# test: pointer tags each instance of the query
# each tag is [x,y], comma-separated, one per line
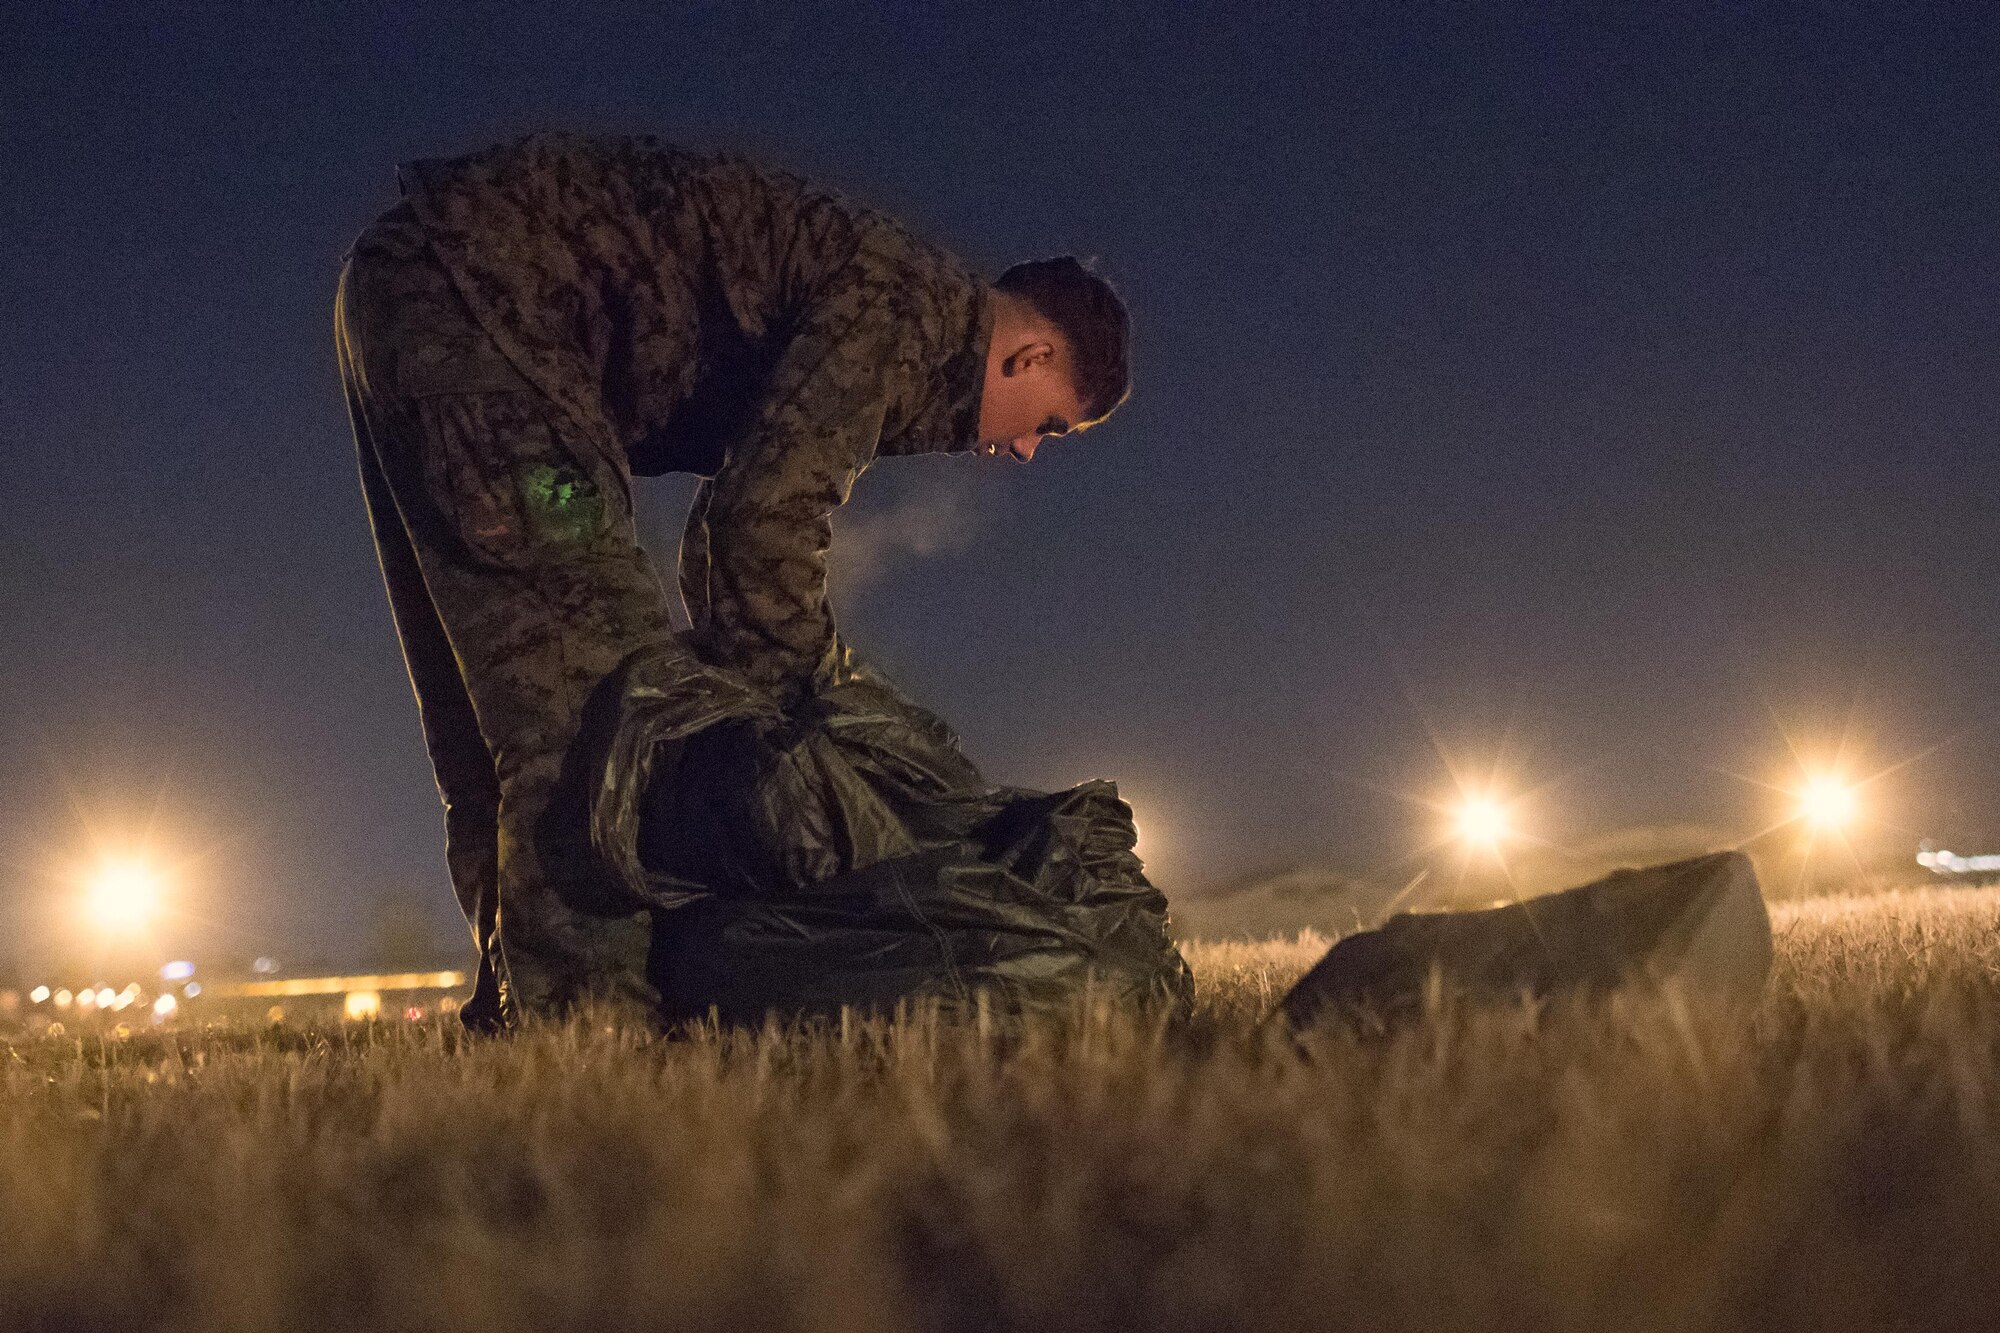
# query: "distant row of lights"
[1951,863]
[356,1005]
[103,997]
[361,996]
[117,1001]
[113,1001]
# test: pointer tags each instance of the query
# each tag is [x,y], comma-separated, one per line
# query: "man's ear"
[1028,355]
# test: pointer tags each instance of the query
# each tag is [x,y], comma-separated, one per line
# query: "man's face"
[1027,397]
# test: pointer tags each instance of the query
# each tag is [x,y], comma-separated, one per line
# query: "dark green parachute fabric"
[1698,924]
[845,852]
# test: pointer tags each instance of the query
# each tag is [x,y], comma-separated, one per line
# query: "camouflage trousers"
[517,584]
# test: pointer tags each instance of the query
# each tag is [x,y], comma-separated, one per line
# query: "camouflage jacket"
[703,314]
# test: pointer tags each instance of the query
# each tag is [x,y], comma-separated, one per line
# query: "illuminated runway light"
[192,989]
[39,994]
[1827,803]
[177,971]
[1482,821]
[62,999]
[123,896]
[105,997]
[361,1005]
[86,998]
[164,1008]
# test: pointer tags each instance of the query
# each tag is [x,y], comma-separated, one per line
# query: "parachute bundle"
[1698,924]
[846,853]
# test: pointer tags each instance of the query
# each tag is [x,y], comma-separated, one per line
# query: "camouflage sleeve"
[761,605]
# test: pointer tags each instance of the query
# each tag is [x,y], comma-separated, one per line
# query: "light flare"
[1828,804]
[123,896]
[1482,822]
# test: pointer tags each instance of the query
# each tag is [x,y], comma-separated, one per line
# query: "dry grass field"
[1830,1162]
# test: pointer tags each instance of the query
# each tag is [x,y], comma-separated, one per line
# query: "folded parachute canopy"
[846,853]
[1700,924]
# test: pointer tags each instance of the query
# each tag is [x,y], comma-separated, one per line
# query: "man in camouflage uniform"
[533,325]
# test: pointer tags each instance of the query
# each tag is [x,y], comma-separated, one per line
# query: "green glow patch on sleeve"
[562,504]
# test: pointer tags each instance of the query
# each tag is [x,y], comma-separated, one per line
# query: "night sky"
[1611,401]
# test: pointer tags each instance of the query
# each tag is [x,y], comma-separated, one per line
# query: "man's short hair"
[1092,320]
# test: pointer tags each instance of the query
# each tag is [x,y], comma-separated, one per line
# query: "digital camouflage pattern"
[531,326]
[703,314]
[517,584]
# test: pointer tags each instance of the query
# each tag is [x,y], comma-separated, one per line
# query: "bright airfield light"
[1481,821]
[1827,803]
[123,896]
[39,994]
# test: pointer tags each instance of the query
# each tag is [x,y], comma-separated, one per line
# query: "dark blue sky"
[1614,396]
